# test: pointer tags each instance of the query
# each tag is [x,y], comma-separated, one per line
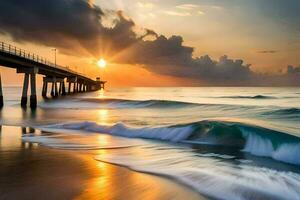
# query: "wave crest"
[250,97]
[287,112]
[93,103]
[252,139]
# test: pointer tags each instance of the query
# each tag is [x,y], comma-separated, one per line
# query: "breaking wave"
[252,139]
[250,97]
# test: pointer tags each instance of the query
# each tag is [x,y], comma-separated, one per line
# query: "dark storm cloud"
[169,56]
[55,23]
[70,24]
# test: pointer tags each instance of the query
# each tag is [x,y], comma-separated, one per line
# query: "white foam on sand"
[216,179]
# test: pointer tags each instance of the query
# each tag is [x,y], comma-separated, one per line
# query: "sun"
[101,63]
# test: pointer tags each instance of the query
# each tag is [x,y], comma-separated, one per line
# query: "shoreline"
[29,171]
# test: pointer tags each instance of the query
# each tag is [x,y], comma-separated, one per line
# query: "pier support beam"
[63,89]
[77,87]
[25,90]
[80,87]
[45,89]
[33,99]
[69,88]
[52,89]
[71,80]
[1,94]
[32,72]
[60,88]
[55,89]
[74,87]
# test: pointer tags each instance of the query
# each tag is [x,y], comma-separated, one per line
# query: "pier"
[58,77]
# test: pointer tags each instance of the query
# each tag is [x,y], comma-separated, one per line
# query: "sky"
[162,43]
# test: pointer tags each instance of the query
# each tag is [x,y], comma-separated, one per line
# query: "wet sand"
[29,171]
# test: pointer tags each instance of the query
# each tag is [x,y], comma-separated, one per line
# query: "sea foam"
[254,140]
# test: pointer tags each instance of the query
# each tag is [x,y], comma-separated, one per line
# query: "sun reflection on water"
[103,116]
[101,94]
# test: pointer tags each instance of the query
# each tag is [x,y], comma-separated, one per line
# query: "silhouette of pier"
[57,76]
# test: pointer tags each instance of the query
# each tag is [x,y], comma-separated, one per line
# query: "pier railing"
[13,50]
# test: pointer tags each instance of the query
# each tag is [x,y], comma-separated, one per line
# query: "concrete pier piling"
[72,80]
[45,89]
[32,73]
[1,94]
[33,99]
[69,88]
[55,89]
[74,88]
[25,90]
[60,88]
[77,88]
[63,89]
[52,89]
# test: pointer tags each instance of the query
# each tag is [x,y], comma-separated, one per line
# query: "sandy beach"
[29,171]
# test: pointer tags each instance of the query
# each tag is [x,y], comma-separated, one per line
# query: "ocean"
[222,142]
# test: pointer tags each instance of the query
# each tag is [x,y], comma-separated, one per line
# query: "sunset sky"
[161,43]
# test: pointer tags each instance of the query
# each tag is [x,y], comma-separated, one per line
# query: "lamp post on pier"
[55,50]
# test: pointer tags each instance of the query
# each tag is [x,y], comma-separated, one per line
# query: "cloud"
[187,6]
[200,12]
[217,7]
[192,8]
[175,13]
[291,70]
[147,5]
[267,51]
[61,23]
[77,27]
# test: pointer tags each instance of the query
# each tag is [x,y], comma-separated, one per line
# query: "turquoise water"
[226,143]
